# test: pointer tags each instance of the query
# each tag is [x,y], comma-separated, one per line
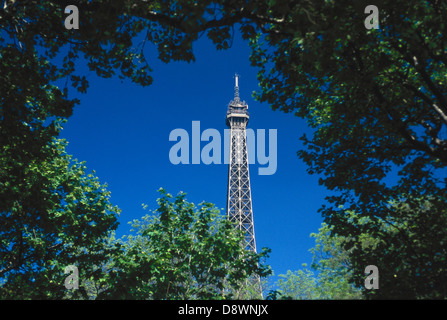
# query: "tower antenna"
[236,86]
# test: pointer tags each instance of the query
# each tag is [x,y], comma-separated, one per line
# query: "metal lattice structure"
[239,203]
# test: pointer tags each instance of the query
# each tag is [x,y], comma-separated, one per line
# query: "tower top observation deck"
[237,108]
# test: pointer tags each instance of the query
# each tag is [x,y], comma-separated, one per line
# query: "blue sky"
[122,132]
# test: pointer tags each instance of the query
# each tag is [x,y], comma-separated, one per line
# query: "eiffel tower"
[239,203]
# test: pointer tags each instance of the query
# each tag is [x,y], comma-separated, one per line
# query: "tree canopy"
[377,101]
[375,98]
[183,251]
[53,214]
[329,276]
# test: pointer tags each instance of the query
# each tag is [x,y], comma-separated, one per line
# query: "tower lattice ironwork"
[239,203]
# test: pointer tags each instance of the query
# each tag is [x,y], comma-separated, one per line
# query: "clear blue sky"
[122,131]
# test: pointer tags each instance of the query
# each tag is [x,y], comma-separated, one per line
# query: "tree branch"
[228,20]
[431,85]
[428,100]
[400,126]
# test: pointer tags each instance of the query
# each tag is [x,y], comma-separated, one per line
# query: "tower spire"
[236,87]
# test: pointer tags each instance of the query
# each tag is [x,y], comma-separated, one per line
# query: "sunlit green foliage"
[53,214]
[329,275]
[183,251]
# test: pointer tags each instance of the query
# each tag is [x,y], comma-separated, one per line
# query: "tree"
[377,102]
[52,215]
[332,264]
[408,248]
[330,273]
[183,251]
[297,285]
